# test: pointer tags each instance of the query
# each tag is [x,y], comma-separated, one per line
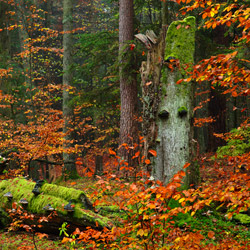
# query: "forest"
[125,124]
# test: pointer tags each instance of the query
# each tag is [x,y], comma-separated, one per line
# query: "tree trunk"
[68,156]
[150,84]
[176,105]
[128,83]
[167,106]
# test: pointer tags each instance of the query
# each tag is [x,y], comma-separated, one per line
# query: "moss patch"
[180,40]
[242,218]
[238,143]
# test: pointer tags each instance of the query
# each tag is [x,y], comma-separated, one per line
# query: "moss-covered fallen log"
[83,214]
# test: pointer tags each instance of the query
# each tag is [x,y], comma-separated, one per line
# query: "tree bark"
[150,84]
[128,82]
[68,155]
[168,107]
[175,112]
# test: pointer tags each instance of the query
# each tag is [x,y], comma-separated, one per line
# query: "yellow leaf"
[177,239]
[140,232]
[212,12]
[181,200]
[192,214]
[158,196]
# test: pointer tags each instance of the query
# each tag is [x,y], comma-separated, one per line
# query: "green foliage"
[97,53]
[238,143]
[181,219]
[209,220]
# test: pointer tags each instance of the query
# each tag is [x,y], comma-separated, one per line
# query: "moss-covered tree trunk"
[57,196]
[175,110]
[167,106]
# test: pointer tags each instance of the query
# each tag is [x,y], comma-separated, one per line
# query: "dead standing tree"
[167,106]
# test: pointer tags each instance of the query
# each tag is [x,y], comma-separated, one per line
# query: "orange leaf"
[73,183]
[42,235]
[210,235]
[111,152]
[186,165]
[152,152]
[179,81]
[182,173]
[151,206]
[65,239]
[234,94]
[137,153]
[147,161]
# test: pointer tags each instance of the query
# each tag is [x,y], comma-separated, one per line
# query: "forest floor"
[23,240]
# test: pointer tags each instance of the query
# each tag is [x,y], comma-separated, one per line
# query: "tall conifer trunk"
[128,83]
[68,156]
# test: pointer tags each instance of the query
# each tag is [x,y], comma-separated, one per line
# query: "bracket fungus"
[69,207]
[9,196]
[48,208]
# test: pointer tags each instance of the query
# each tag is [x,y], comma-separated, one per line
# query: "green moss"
[181,219]
[180,40]
[182,108]
[238,143]
[242,218]
[57,196]
[63,192]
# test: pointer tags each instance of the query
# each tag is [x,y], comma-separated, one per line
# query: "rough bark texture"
[128,83]
[176,102]
[150,84]
[70,167]
[58,197]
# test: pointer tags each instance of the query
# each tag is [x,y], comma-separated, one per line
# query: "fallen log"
[68,204]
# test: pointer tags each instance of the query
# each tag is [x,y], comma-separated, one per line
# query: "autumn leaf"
[42,235]
[178,26]
[111,152]
[152,152]
[66,239]
[186,165]
[210,235]
[140,232]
